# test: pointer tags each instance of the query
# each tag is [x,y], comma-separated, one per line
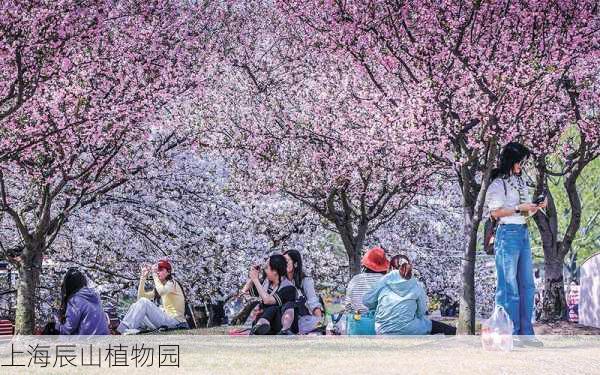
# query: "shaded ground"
[558,328]
[564,328]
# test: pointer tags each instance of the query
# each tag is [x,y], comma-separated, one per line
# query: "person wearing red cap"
[400,303]
[374,265]
[145,314]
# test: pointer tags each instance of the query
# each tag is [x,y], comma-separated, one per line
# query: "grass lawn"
[214,354]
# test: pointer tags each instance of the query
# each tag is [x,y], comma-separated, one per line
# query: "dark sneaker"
[260,329]
[532,342]
[286,332]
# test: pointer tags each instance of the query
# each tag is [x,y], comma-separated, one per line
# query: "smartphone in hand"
[539,199]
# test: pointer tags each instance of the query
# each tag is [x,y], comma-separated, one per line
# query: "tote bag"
[360,323]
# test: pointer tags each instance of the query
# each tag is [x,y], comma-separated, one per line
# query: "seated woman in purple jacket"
[81,311]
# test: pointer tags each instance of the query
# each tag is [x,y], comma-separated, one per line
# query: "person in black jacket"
[274,292]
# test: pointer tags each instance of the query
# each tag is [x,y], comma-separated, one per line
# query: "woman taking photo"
[509,202]
[145,313]
[274,292]
[81,310]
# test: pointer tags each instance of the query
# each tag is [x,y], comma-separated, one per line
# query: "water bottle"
[330,329]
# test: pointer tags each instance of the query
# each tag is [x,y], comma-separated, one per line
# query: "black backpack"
[489,230]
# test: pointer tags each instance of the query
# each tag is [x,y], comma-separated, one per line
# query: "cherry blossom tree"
[83,85]
[293,119]
[477,75]
[181,208]
[579,146]
[431,240]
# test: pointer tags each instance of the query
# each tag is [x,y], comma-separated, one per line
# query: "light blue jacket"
[399,305]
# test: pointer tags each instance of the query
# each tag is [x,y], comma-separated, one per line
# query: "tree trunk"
[466,321]
[353,245]
[553,297]
[554,301]
[473,195]
[354,256]
[29,275]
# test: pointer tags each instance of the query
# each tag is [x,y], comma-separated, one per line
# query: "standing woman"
[307,301]
[508,201]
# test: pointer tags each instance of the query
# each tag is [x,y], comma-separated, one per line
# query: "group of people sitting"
[387,293]
[287,296]
[288,301]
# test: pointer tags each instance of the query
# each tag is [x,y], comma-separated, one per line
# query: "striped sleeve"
[362,285]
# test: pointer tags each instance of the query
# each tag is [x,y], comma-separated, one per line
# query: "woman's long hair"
[73,281]
[169,277]
[403,265]
[511,154]
[299,274]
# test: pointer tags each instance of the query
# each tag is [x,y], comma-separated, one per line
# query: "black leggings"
[273,315]
[439,327]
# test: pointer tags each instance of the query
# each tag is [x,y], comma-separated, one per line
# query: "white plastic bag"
[496,332]
[337,324]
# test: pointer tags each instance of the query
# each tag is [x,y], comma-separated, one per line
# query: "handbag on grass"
[360,323]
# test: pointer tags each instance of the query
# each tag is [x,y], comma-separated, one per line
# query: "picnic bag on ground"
[358,323]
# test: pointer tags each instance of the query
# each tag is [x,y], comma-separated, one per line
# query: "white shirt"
[496,198]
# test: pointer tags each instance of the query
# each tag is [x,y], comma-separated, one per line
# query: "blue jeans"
[515,288]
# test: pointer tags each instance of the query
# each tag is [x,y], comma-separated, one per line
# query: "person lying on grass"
[274,292]
[146,314]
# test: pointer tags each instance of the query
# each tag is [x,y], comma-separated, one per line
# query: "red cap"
[375,260]
[164,264]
